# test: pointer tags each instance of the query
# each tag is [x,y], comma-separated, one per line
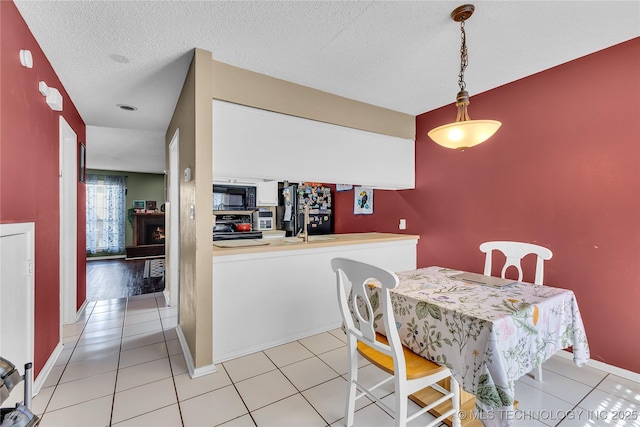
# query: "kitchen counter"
[268,295]
[315,242]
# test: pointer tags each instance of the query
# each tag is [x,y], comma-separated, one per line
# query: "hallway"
[118,278]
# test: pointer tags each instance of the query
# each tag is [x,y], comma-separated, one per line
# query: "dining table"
[487,336]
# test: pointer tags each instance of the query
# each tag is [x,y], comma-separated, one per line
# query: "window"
[105,214]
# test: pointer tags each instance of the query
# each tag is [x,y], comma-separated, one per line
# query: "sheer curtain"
[105,214]
[92,214]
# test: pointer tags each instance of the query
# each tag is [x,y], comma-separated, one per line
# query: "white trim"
[624,373]
[166,295]
[17,228]
[172,280]
[99,258]
[68,241]
[193,371]
[47,368]
[143,257]
[80,311]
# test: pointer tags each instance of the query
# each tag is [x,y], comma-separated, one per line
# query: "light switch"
[403,224]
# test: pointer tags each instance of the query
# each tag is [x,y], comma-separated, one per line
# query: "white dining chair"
[514,252]
[409,371]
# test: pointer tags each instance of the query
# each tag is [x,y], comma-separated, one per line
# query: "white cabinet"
[252,143]
[223,180]
[267,193]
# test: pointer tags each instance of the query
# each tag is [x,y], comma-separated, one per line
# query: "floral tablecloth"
[488,337]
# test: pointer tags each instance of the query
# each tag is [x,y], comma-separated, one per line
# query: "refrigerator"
[292,200]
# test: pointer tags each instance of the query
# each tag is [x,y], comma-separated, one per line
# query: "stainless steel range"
[229,226]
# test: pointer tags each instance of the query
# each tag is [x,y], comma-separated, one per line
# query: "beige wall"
[204,174]
[193,117]
[246,87]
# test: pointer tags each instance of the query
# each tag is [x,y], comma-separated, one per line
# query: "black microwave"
[234,197]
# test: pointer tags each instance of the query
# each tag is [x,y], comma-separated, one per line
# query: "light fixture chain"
[464,58]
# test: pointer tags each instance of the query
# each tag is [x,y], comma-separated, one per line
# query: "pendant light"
[464,132]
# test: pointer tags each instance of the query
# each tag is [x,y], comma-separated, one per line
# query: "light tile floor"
[123,366]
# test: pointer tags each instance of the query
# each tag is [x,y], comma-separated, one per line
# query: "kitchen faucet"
[304,232]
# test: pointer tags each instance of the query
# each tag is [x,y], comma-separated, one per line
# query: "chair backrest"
[353,279]
[515,251]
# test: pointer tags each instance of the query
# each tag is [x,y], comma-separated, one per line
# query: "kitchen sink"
[311,239]
[292,239]
[320,238]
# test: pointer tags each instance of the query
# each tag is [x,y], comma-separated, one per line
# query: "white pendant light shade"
[466,134]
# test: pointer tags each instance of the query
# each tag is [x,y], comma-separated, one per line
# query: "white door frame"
[68,224]
[172,286]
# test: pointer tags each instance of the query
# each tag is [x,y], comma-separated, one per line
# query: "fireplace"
[148,235]
[153,233]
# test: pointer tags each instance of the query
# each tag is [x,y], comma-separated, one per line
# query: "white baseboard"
[81,312]
[193,371]
[165,293]
[144,257]
[100,258]
[46,369]
[624,373]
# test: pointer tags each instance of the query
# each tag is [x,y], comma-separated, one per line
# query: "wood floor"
[117,278]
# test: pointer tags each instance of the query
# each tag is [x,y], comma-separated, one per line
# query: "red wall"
[29,162]
[563,171]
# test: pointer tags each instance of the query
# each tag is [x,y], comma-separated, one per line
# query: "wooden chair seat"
[417,366]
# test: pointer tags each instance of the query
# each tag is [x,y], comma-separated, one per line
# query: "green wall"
[140,186]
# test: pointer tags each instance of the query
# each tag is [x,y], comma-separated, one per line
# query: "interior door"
[16,298]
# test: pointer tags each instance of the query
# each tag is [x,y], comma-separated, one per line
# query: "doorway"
[68,223]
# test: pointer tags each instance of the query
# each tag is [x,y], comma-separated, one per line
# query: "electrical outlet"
[403,224]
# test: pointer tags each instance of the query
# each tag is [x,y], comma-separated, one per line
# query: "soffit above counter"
[244,87]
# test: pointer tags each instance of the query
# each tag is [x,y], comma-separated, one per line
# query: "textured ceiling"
[401,55]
